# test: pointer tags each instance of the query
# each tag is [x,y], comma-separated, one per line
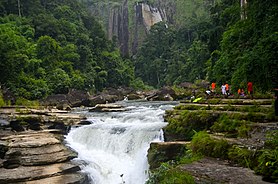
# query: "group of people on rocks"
[240,91]
[225,90]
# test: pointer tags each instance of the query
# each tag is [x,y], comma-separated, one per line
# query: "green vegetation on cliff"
[49,47]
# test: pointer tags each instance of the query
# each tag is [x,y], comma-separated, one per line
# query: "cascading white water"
[115,146]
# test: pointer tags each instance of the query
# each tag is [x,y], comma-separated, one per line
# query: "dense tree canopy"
[221,47]
[51,46]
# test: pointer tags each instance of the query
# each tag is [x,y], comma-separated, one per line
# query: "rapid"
[113,149]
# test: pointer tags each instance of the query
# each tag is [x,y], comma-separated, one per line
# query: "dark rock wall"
[124,21]
[128,21]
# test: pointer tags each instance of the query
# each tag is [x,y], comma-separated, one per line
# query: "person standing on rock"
[227,89]
[213,85]
[223,89]
[250,89]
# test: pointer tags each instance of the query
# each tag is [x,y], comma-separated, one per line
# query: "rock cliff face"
[128,21]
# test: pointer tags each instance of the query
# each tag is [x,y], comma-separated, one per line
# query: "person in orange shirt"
[239,92]
[250,89]
[227,88]
[213,85]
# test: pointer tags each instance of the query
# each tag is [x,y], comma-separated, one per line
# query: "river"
[114,147]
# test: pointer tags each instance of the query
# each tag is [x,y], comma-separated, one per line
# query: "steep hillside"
[128,21]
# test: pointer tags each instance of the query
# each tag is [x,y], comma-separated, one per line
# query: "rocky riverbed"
[32,148]
[241,125]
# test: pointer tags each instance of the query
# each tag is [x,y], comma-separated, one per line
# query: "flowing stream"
[114,147]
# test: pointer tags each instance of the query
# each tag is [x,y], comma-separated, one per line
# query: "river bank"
[32,147]
[224,139]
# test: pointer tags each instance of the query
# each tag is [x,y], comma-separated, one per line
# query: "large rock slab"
[21,174]
[210,170]
[35,148]
[41,156]
[33,139]
[107,108]
[76,178]
[160,152]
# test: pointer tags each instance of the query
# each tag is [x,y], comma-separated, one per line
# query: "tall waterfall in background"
[115,146]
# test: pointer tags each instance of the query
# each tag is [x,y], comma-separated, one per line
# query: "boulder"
[135,96]
[85,122]
[54,100]
[164,94]
[160,152]
[107,108]
[102,99]
[77,98]
[63,106]
[59,125]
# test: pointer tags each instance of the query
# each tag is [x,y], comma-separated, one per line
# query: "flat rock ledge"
[38,157]
[209,170]
[108,108]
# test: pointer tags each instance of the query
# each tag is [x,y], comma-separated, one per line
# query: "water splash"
[115,147]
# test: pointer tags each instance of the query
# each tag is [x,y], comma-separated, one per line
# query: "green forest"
[221,47]
[50,46]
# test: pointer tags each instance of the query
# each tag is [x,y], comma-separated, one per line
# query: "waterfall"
[114,148]
[243,5]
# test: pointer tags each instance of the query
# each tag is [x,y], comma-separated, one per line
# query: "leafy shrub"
[231,127]
[169,174]
[268,160]
[25,102]
[189,157]
[203,143]
[183,127]
[2,102]
[242,156]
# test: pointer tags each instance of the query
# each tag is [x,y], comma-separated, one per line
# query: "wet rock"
[85,122]
[107,108]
